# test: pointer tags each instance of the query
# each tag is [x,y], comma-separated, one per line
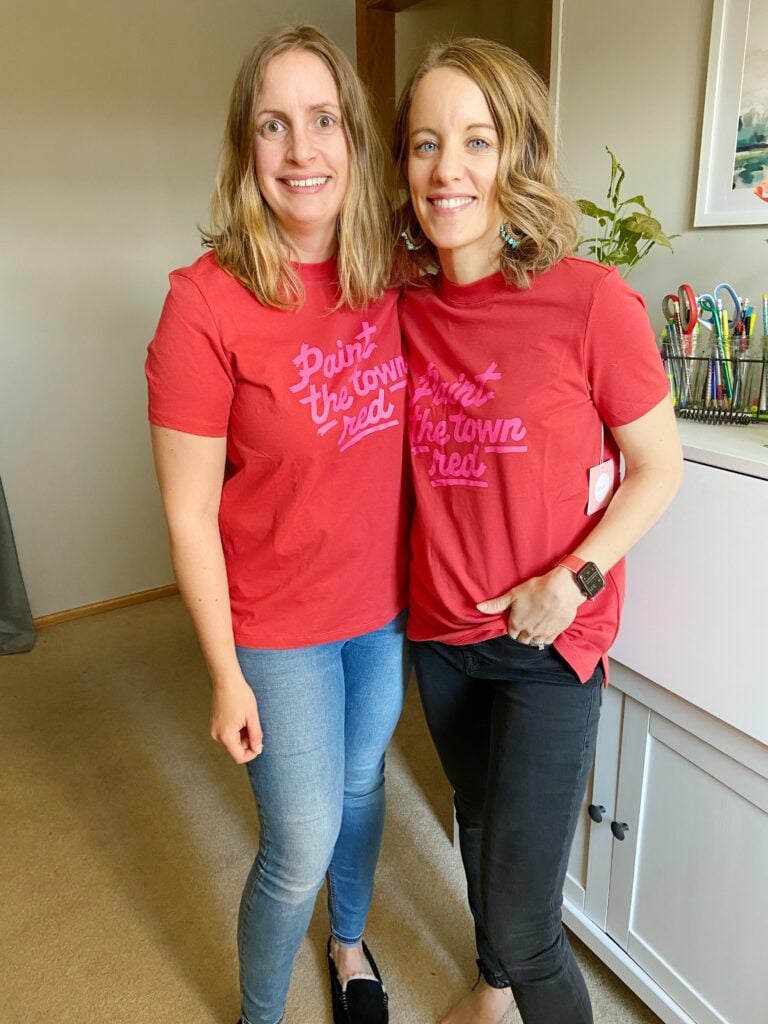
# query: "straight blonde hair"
[244,232]
[543,220]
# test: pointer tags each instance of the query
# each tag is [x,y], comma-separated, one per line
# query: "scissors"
[681,309]
[713,303]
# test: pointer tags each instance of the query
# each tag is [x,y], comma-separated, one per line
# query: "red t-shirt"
[312,403]
[509,387]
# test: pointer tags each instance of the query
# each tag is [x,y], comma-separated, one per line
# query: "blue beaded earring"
[507,238]
[409,242]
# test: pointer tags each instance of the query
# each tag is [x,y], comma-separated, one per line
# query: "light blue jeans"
[328,713]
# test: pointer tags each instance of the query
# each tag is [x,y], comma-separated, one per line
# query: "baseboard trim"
[105,606]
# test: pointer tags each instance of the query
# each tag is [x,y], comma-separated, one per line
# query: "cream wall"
[634,79]
[112,115]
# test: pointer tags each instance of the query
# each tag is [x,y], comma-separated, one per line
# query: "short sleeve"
[189,376]
[622,362]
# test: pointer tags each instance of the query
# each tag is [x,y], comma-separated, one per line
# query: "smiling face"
[301,159]
[453,159]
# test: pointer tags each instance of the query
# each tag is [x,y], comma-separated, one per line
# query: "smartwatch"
[588,577]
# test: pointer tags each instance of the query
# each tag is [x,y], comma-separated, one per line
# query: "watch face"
[590,579]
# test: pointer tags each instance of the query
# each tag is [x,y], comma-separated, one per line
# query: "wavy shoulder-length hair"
[244,232]
[543,220]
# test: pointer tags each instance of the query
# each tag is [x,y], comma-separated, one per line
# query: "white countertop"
[739,449]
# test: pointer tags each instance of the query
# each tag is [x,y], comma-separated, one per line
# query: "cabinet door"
[586,883]
[576,876]
[689,884]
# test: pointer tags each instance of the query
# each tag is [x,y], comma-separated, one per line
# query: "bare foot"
[483,1005]
[350,961]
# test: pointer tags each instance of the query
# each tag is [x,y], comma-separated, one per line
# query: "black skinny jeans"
[515,731]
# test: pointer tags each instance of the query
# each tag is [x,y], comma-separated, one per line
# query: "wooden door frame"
[375,24]
[375,21]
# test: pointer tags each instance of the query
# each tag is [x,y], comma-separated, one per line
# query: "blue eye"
[429,146]
[477,144]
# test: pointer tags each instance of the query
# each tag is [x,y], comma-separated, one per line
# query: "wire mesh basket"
[715,388]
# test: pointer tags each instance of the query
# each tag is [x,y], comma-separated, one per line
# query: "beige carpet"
[126,835]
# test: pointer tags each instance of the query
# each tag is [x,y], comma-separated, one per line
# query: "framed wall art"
[734,143]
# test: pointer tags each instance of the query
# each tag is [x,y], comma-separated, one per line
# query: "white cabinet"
[679,906]
[696,613]
[589,867]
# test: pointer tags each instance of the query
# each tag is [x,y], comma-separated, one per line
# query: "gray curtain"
[17,631]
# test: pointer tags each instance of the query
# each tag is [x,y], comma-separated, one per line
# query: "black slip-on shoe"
[241,1021]
[359,1000]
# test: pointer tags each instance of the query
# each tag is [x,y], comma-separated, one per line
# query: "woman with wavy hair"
[276,397]
[531,371]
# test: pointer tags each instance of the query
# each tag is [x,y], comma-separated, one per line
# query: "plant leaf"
[590,209]
[639,200]
[619,259]
[627,228]
[649,228]
[614,171]
[617,177]
[644,225]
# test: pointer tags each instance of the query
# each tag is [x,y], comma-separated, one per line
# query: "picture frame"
[718,202]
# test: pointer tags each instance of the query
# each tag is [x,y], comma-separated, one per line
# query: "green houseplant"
[625,231]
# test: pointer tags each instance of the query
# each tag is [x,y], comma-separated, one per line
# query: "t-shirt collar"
[470,294]
[325,271]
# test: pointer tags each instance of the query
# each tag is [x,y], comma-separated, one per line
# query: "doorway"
[392,35]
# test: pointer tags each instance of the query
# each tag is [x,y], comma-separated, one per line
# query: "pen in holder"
[716,379]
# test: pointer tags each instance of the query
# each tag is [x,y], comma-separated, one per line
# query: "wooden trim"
[548,21]
[376,63]
[555,66]
[105,606]
[391,5]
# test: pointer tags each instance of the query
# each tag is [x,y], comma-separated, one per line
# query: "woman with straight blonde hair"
[276,397]
[531,372]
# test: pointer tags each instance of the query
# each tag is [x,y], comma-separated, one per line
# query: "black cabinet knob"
[596,812]
[619,829]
